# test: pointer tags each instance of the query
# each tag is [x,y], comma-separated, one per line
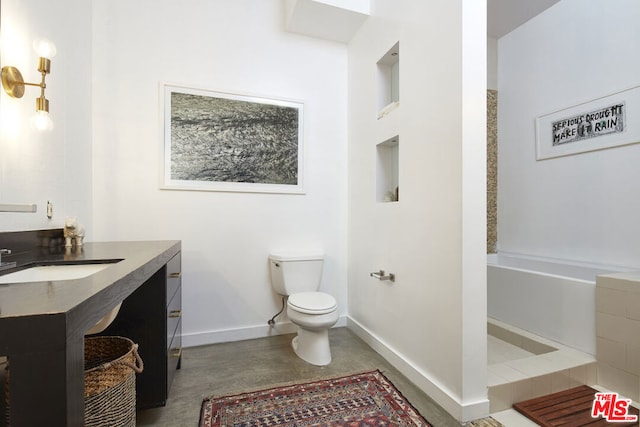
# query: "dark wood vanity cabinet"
[156,328]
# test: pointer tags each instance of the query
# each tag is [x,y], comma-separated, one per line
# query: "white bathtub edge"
[492,259]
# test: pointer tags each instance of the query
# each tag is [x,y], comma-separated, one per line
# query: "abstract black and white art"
[217,141]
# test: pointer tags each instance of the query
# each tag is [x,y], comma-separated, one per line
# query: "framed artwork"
[218,141]
[605,122]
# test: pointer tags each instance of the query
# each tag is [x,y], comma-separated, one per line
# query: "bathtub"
[550,298]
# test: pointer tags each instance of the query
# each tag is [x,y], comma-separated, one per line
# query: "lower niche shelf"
[387,174]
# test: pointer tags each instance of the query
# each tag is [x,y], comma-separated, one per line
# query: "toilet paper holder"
[380,275]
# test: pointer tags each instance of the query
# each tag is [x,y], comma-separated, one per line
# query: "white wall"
[431,322]
[583,207]
[231,45]
[36,167]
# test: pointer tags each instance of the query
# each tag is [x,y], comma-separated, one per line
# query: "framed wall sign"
[218,141]
[605,122]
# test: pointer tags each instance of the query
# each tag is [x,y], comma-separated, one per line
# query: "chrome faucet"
[4,265]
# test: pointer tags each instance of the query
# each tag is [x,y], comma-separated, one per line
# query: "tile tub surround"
[618,333]
[542,368]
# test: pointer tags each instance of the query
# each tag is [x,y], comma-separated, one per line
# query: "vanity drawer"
[174,273]
[174,354]
[174,315]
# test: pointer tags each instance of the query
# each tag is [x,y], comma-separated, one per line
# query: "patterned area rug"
[366,399]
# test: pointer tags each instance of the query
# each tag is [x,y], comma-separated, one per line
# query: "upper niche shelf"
[389,81]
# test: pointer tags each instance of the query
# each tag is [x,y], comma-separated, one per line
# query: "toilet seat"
[312,302]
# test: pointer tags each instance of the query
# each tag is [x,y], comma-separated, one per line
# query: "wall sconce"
[14,84]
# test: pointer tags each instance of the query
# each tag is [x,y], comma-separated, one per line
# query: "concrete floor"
[226,368]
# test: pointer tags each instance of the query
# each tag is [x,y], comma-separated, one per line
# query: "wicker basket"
[110,364]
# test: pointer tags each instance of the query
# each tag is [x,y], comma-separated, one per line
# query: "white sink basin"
[46,273]
[102,324]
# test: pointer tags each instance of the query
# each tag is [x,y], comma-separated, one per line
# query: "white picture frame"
[221,141]
[605,122]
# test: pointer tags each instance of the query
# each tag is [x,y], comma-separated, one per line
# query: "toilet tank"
[293,273]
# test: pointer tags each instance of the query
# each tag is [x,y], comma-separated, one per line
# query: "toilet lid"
[312,302]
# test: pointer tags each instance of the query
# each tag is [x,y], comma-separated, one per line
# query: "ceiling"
[320,18]
[503,16]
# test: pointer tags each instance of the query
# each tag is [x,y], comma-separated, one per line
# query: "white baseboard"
[245,333]
[438,392]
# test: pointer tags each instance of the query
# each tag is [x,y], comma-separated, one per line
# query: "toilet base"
[312,346]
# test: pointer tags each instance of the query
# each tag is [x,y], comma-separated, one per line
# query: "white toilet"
[298,277]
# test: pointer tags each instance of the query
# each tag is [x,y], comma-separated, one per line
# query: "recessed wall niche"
[389,81]
[387,185]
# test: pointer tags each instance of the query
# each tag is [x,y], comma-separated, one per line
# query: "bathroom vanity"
[42,325]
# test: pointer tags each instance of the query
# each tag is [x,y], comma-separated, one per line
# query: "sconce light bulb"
[41,121]
[44,48]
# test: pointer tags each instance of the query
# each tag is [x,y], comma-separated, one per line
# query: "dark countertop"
[96,294]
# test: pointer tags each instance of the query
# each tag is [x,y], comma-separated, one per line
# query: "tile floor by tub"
[498,352]
[515,374]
